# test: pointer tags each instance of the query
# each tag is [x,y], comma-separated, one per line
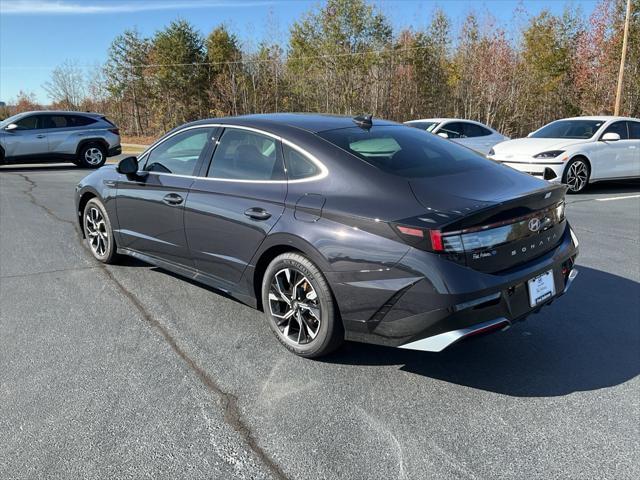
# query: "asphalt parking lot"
[130,372]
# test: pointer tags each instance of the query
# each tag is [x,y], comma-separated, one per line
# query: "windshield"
[569,129]
[406,152]
[428,126]
[10,120]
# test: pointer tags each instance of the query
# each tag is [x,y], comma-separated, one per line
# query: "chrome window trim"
[323,169]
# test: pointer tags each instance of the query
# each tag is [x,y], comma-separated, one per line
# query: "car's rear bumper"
[448,302]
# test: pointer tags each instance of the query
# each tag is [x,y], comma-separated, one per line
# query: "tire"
[91,155]
[576,175]
[322,332]
[98,232]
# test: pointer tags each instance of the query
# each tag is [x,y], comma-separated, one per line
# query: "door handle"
[172,199]
[257,213]
[40,136]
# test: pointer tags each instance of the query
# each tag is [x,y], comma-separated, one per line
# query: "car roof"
[285,122]
[63,112]
[444,119]
[601,118]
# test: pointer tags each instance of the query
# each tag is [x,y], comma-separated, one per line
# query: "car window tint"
[298,165]
[53,121]
[27,123]
[80,121]
[453,130]
[473,130]
[620,128]
[179,154]
[406,152]
[634,130]
[569,129]
[428,126]
[245,155]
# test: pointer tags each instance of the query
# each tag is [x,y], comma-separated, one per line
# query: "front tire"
[576,175]
[92,155]
[300,307]
[98,231]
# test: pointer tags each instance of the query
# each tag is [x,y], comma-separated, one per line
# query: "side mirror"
[11,126]
[443,134]
[128,166]
[610,137]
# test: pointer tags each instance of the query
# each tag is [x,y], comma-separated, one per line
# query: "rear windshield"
[569,129]
[406,152]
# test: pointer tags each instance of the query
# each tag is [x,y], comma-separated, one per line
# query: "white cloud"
[62,7]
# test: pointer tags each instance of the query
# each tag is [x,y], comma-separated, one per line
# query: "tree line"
[344,57]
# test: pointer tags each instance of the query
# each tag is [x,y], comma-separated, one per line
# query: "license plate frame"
[541,288]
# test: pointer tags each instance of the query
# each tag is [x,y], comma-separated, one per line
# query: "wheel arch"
[277,245]
[82,202]
[86,141]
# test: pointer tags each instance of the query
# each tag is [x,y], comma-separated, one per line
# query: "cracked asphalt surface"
[128,371]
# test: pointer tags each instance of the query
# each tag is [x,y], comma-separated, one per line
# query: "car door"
[150,205]
[614,159]
[28,140]
[235,203]
[57,129]
[634,147]
[479,138]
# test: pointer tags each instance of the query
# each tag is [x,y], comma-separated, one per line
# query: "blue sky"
[37,35]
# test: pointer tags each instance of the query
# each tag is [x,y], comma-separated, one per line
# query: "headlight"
[549,154]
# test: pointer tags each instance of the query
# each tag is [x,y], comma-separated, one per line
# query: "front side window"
[453,130]
[246,155]
[406,152]
[618,127]
[569,129]
[179,154]
[298,165]
[27,123]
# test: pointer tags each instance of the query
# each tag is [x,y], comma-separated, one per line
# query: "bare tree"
[67,86]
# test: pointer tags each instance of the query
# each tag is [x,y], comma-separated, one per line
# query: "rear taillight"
[115,131]
[432,240]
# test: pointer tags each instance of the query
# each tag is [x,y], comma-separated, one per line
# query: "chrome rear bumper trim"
[572,276]
[439,342]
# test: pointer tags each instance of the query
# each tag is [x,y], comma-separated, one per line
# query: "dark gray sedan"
[338,228]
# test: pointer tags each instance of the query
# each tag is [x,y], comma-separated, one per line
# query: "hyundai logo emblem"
[534,224]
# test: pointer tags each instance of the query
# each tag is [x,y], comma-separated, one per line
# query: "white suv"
[87,139]
[577,151]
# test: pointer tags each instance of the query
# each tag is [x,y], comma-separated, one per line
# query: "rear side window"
[246,155]
[179,154]
[634,130]
[620,128]
[473,130]
[54,121]
[80,121]
[298,165]
[406,152]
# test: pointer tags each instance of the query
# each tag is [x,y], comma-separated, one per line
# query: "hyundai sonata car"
[577,151]
[474,135]
[338,228]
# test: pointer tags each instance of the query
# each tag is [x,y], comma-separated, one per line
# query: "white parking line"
[617,198]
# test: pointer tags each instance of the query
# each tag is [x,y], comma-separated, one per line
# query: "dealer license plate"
[541,288]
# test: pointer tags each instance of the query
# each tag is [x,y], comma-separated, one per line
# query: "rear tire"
[98,232]
[300,307]
[92,155]
[576,175]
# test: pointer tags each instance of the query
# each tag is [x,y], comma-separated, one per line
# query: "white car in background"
[577,151]
[474,135]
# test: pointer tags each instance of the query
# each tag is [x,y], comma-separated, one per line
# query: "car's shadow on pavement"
[587,340]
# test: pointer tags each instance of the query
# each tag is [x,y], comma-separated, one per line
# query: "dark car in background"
[86,139]
[338,228]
